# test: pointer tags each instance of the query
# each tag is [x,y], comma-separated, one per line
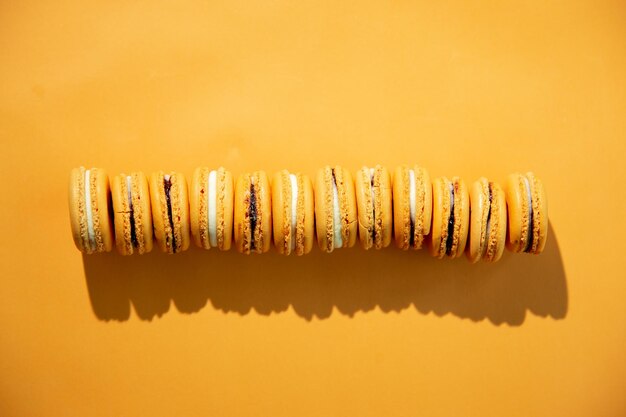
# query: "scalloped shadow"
[348,281]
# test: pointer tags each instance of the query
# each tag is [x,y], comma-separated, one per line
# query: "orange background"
[463,88]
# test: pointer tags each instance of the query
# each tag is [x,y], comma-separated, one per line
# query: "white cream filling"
[294,209]
[338,241]
[529,197]
[211,202]
[90,232]
[412,195]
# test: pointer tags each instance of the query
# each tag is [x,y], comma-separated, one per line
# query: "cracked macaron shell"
[374,213]
[402,206]
[483,245]
[519,213]
[281,213]
[242,228]
[441,215]
[142,214]
[100,197]
[163,232]
[198,209]
[324,208]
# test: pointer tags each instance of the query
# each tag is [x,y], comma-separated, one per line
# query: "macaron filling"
[412,206]
[167,186]
[337,239]
[530,234]
[212,207]
[449,238]
[294,209]
[90,229]
[131,212]
[252,214]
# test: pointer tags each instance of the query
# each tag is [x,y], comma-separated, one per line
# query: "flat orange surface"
[463,88]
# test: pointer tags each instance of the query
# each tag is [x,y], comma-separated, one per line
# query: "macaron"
[170,211]
[450,217]
[335,209]
[528,213]
[487,232]
[89,203]
[374,207]
[293,213]
[132,215]
[211,208]
[412,206]
[253,213]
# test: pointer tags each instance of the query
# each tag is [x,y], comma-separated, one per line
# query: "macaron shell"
[182,199]
[464,216]
[120,208]
[401,207]
[365,205]
[516,212]
[309,214]
[75,195]
[280,204]
[500,236]
[225,202]
[265,199]
[441,209]
[479,207]
[386,207]
[543,210]
[198,209]
[349,228]
[241,208]
[323,211]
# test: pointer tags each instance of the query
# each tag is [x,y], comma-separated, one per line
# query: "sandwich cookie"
[487,232]
[335,209]
[253,213]
[89,202]
[412,206]
[132,214]
[528,213]
[211,208]
[293,213]
[170,211]
[373,200]
[450,217]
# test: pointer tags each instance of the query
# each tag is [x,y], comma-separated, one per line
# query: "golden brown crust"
[300,215]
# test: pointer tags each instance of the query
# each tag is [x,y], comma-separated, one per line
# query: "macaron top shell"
[450,217]
[487,233]
[374,207]
[211,208]
[335,209]
[170,211]
[253,213]
[527,213]
[132,213]
[292,234]
[412,205]
[90,216]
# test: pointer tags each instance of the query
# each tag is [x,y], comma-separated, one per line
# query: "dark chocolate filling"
[450,239]
[252,214]
[167,184]
[373,210]
[531,237]
[133,231]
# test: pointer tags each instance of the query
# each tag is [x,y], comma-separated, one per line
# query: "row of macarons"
[445,215]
